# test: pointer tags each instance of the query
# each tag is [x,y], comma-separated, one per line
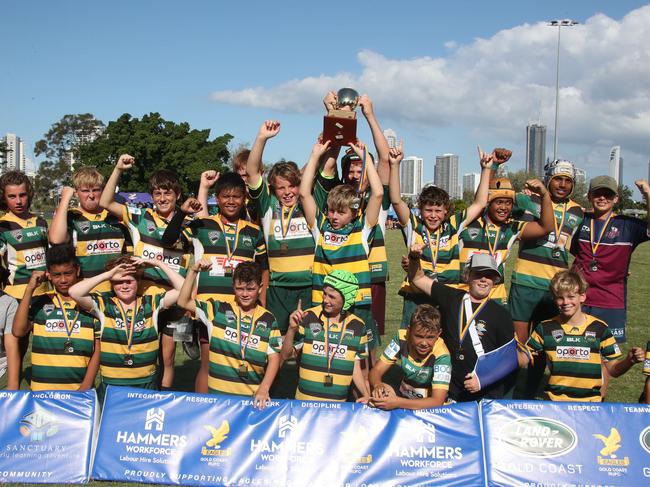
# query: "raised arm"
[208,179]
[22,326]
[295,319]
[381,144]
[269,129]
[58,232]
[185,299]
[80,291]
[376,188]
[416,274]
[644,187]
[107,199]
[395,156]
[546,222]
[616,368]
[307,182]
[481,197]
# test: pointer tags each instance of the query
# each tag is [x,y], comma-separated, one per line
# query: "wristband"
[494,167]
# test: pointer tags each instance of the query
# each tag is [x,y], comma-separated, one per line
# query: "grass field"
[624,389]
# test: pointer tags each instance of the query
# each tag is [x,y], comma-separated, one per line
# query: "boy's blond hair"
[87,177]
[240,159]
[568,282]
[342,198]
[426,317]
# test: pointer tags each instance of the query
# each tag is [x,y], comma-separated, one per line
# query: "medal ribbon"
[462,329]
[594,245]
[327,344]
[558,229]
[243,344]
[285,229]
[131,328]
[68,326]
[492,249]
[434,250]
[230,252]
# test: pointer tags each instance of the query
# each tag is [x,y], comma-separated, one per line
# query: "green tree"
[60,146]
[66,136]
[519,178]
[3,153]
[625,201]
[155,144]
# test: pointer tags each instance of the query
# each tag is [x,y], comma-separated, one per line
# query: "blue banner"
[545,443]
[184,438]
[46,437]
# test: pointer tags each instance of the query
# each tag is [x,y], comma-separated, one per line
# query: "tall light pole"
[559,24]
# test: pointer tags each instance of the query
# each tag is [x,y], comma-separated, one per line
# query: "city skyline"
[535,148]
[446,174]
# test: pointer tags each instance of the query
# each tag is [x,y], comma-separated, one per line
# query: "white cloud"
[499,83]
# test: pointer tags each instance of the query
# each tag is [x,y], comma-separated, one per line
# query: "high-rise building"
[470,182]
[391,137]
[411,175]
[616,164]
[445,175]
[15,155]
[535,148]
[581,176]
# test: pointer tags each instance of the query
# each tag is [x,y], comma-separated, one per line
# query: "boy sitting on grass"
[425,364]
[332,342]
[129,321]
[244,337]
[575,343]
[65,343]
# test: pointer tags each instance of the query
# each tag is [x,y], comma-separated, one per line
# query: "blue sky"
[444,75]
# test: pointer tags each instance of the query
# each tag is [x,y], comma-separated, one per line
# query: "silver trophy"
[340,123]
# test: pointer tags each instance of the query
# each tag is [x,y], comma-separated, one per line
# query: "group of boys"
[293,266]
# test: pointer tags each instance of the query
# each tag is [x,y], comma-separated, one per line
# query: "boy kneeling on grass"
[575,344]
[65,345]
[244,337]
[425,364]
[129,321]
[332,342]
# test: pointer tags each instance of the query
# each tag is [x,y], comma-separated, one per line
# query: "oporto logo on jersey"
[38,425]
[335,239]
[213,446]
[538,437]
[151,439]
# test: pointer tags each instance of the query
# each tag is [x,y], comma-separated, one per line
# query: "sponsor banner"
[46,436]
[544,443]
[190,439]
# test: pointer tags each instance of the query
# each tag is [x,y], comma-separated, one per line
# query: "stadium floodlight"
[559,24]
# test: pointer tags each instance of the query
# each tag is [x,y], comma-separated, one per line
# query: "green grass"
[623,389]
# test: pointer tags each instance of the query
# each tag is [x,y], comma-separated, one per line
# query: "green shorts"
[364,313]
[412,301]
[282,301]
[531,305]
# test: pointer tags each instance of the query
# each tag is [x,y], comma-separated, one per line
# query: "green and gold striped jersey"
[61,346]
[22,246]
[574,355]
[345,248]
[289,243]
[114,340]
[239,346]
[146,229]
[483,236]
[226,245]
[539,260]
[97,238]
[440,246]
[328,353]
[420,376]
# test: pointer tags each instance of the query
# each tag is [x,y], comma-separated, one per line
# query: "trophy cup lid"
[347,97]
